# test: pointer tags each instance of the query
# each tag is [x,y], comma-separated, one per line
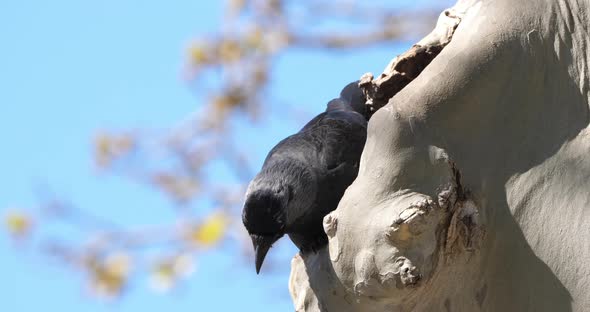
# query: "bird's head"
[265,215]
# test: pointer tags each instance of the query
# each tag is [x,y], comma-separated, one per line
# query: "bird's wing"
[300,146]
[338,140]
[328,140]
[343,135]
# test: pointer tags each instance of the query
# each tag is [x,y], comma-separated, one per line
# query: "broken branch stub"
[407,66]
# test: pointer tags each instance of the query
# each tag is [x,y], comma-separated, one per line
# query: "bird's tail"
[351,99]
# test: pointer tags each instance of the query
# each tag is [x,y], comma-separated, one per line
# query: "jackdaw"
[305,175]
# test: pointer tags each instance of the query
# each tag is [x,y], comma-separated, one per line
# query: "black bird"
[305,175]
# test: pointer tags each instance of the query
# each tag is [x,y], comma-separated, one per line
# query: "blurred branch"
[236,64]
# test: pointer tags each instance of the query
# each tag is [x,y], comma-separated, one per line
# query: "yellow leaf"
[229,51]
[118,264]
[109,147]
[210,231]
[18,224]
[199,55]
[163,276]
[109,276]
[255,38]
[166,273]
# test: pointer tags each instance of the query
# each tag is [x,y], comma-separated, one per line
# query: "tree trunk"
[474,187]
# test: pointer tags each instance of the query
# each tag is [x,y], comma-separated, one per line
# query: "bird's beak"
[261,246]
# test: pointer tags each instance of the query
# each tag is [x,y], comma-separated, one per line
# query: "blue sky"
[69,68]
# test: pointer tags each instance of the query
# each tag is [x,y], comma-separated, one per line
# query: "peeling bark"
[407,66]
[474,187]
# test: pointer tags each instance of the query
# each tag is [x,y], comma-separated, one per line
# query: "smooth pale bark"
[474,187]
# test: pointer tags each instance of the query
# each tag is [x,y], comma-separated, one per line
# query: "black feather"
[305,175]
